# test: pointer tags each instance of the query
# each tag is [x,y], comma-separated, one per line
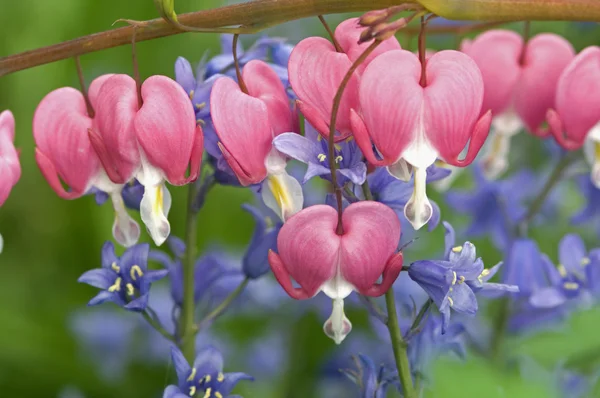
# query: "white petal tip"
[337,327]
[418,210]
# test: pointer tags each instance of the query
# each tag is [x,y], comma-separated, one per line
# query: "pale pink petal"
[60,130]
[348,33]
[165,127]
[263,83]
[284,278]
[10,168]
[95,86]
[391,103]
[453,98]
[308,247]
[578,97]
[546,56]
[242,124]
[497,54]
[371,237]
[316,71]
[115,108]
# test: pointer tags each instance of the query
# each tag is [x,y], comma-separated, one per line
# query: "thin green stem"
[187,326]
[399,346]
[156,325]
[420,316]
[366,190]
[214,314]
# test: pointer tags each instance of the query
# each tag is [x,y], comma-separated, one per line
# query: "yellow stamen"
[191,94]
[450,301]
[597,151]
[321,157]
[207,393]
[158,204]
[585,261]
[571,285]
[461,279]
[192,375]
[220,377]
[338,159]
[279,193]
[218,395]
[115,267]
[130,289]
[192,391]
[457,249]
[337,147]
[349,139]
[453,277]
[136,272]
[562,270]
[200,105]
[116,286]
[200,121]
[484,273]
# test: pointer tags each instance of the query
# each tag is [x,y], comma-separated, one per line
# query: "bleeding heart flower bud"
[520,84]
[318,259]
[61,125]
[170,142]
[10,168]
[418,124]
[246,124]
[576,117]
[316,71]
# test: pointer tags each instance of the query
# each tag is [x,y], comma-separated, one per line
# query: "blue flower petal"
[101,278]
[548,297]
[297,147]
[184,75]
[208,361]
[108,255]
[174,392]
[135,255]
[231,379]
[139,304]
[463,299]
[181,365]
[357,173]
[103,297]
[571,251]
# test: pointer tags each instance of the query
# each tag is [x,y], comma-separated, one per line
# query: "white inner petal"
[507,123]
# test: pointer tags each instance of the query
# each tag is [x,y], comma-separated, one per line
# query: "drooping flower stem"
[334,112]
[236,63]
[88,104]
[187,326]
[225,303]
[156,325]
[337,46]
[399,346]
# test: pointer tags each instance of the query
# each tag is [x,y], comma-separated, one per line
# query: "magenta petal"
[165,127]
[95,86]
[348,33]
[284,278]
[60,130]
[546,56]
[242,124]
[453,98]
[316,71]
[578,97]
[309,248]
[497,54]
[389,276]
[10,168]
[264,84]
[391,103]
[116,107]
[371,237]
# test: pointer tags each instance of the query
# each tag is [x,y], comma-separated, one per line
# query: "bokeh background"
[49,242]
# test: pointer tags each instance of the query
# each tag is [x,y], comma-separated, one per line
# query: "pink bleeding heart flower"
[520,84]
[10,168]
[170,142]
[316,70]
[575,120]
[318,259]
[412,124]
[64,152]
[246,124]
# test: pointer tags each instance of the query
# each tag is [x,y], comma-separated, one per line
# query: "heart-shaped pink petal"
[10,168]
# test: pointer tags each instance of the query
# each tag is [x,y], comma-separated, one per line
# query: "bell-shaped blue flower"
[372,381]
[205,378]
[590,213]
[312,150]
[453,282]
[124,280]
[267,225]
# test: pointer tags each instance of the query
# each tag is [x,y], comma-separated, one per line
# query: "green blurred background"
[49,242]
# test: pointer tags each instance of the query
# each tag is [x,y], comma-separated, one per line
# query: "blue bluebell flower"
[124,280]
[590,213]
[577,275]
[566,383]
[396,193]
[132,195]
[208,269]
[452,283]
[205,378]
[373,381]
[266,228]
[312,150]
[495,206]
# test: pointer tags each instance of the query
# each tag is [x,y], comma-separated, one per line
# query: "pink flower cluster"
[10,168]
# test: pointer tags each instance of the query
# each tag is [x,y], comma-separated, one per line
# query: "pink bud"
[517,80]
[247,123]
[316,71]
[318,259]
[113,136]
[577,103]
[419,124]
[10,169]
